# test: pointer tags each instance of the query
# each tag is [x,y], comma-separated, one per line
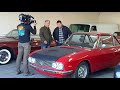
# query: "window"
[106,41]
[116,42]
[82,40]
[14,33]
[75,38]
[93,28]
[79,28]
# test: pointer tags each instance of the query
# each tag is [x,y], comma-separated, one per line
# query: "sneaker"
[28,74]
[18,72]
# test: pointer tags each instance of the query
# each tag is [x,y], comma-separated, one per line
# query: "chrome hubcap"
[3,56]
[82,71]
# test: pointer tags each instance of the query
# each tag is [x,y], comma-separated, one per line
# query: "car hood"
[53,54]
[6,39]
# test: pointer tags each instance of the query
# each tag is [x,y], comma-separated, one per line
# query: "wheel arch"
[87,61]
[83,61]
[10,49]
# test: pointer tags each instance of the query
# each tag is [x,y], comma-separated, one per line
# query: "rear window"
[79,28]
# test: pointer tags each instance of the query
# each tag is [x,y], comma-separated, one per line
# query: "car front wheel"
[82,71]
[5,56]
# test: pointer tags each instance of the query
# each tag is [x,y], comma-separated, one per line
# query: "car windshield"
[14,34]
[81,40]
[79,28]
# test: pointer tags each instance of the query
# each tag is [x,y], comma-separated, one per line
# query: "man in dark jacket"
[45,35]
[61,33]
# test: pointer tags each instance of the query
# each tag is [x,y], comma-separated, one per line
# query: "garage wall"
[9,20]
[110,17]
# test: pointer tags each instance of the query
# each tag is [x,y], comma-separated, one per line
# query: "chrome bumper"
[52,71]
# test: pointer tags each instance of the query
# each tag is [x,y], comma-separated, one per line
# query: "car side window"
[116,42]
[105,42]
[14,33]
[93,28]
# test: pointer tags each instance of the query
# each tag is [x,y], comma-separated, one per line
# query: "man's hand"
[45,42]
[33,24]
[53,43]
[56,40]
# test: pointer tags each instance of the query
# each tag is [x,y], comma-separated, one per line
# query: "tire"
[79,72]
[5,56]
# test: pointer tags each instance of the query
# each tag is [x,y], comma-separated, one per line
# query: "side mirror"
[103,45]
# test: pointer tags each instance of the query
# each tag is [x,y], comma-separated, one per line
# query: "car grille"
[45,63]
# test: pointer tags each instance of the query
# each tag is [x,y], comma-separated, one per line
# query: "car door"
[117,52]
[107,49]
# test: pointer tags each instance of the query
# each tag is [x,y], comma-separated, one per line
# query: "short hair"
[59,21]
[47,20]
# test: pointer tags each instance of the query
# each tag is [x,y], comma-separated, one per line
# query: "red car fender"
[71,63]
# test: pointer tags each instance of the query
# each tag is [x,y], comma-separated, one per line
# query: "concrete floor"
[8,71]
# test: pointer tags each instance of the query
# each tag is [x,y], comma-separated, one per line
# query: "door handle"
[115,50]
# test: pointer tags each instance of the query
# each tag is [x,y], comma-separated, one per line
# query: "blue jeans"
[44,45]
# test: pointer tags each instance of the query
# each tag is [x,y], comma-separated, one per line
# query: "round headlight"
[60,66]
[57,65]
[54,65]
[31,60]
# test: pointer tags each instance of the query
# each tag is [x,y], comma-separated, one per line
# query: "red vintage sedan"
[81,54]
[9,46]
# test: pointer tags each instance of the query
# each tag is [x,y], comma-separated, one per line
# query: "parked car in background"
[82,53]
[99,27]
[9,46]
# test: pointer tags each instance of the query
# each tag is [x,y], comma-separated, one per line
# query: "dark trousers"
[23,52]
[59,44]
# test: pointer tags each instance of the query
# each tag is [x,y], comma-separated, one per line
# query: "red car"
[9,46]
[81,54]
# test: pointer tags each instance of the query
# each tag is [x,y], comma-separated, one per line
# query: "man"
[61,33]
[24,47]
[45,35]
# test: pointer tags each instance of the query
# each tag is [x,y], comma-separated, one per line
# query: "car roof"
[93,33]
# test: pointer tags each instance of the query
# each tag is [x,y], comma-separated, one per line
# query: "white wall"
[110,17]
[9,20]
